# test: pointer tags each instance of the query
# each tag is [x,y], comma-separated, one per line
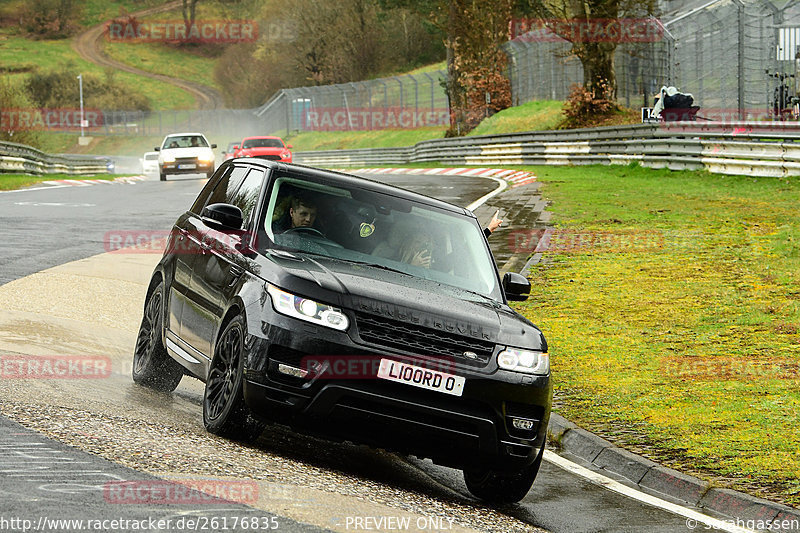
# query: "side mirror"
[516,286]
[226,215]
[213,146]
[157,149]
[236,147]
[289,146]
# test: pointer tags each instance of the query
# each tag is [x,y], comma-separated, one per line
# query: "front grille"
[269,157]
[180,160]
[421,340]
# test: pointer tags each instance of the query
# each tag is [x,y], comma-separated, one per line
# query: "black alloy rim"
[221,382]
[148,332]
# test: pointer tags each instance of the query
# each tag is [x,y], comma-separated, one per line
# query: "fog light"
[523,424]
[291,371]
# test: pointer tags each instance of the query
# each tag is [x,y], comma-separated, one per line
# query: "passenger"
[195,142]
[416,250]
[173,144]
[493,224]
[407,243]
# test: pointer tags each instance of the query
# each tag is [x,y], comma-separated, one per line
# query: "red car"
[271,148]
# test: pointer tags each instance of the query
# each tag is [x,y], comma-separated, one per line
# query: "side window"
[246,197]
[202,198]
[226,187]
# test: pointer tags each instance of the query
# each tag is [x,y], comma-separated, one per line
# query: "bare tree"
[596,55]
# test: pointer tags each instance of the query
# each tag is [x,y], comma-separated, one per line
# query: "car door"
[220,264]
[185,246]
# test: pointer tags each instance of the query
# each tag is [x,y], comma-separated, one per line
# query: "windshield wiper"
[377,265]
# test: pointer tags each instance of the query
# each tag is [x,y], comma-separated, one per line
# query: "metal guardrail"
[749,148]
[21,159]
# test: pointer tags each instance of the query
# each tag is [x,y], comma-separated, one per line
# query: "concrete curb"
[653,478]
[650,477]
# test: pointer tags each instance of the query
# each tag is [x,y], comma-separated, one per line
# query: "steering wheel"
[306,229]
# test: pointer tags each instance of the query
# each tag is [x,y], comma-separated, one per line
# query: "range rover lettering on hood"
[403,314]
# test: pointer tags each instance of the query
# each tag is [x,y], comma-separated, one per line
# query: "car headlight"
[518,360]
[294,306]
[206,158]
[286,155]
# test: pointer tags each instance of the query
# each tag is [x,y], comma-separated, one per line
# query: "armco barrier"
[21,159]
[749,148]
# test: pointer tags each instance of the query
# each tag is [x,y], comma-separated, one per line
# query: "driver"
[302,214]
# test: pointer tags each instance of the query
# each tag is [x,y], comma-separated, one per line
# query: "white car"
[185,153]
[149,163]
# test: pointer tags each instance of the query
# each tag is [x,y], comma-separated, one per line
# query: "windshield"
[262,143]
[367,226]
[184,141]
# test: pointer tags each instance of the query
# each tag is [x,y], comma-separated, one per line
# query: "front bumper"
[471,430]
[196,167]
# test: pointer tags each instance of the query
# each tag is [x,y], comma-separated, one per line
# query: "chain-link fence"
[410,101]
[723,52]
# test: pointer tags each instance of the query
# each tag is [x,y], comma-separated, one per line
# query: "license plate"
[423,378]
[188,165]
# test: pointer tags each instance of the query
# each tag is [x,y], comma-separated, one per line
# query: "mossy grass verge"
[671,305]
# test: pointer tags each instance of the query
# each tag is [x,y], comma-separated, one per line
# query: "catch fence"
[731,55]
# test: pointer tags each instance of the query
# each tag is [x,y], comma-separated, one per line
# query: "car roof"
[353,181]
[187,133]
[261,137]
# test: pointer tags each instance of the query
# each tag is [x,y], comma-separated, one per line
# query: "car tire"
[224,411]
[502,488]
[162,176]
[152,365]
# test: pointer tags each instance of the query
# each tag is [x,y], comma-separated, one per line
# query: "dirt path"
[88,45]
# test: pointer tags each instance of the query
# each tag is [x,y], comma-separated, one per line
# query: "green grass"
[160,58]
[442,65]
[531,116]
[98,11]
[682,340]
[50,55]
[10,182]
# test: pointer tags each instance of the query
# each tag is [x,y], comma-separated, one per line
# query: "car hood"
[261,150]
[398,297]
[185,152]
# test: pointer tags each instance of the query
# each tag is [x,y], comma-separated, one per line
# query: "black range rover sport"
[352,310]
